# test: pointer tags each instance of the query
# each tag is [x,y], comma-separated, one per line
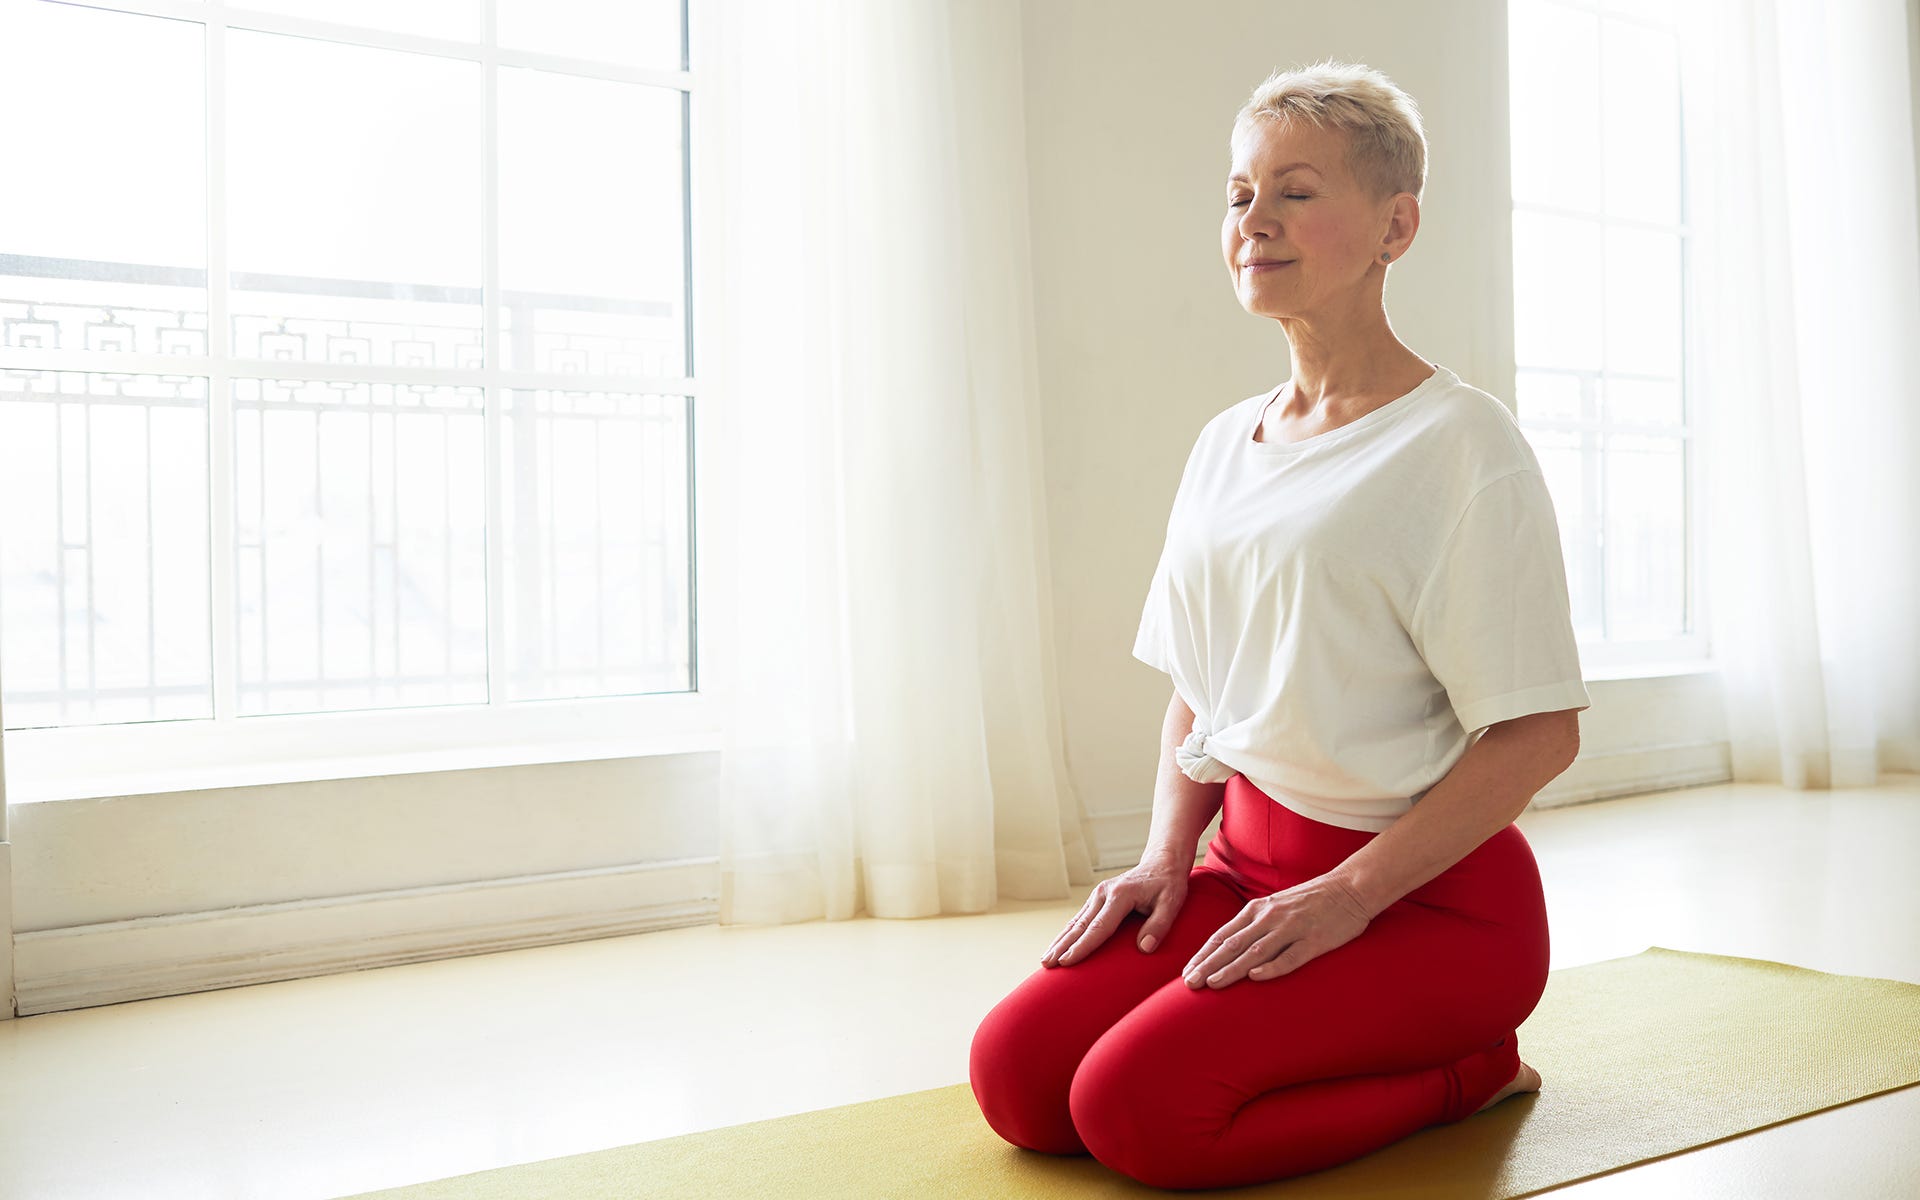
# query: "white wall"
[1141,340]
[1913,75]
[1141,337]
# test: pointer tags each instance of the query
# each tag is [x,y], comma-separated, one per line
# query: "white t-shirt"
[1342,613]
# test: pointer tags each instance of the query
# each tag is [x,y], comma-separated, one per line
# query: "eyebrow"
[1238,176]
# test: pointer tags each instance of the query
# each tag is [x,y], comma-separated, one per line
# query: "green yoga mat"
[1642,1056]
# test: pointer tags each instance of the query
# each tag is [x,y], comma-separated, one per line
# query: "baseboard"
[1637,772]
[86,965]
[6,926]
[115,961]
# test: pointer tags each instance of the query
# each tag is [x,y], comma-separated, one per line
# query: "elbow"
[1569,742]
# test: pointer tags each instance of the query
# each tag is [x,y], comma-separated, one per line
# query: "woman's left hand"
[1274,934]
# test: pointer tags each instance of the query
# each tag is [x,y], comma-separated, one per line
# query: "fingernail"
[1149,943]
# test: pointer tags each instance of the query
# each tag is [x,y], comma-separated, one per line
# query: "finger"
[1207,965]
[1204,960]
[1213,969]
[1237,956]
[1206,948]
[1227,974]
[1069,935]
[1074,926]
[1153,931]
[1085,934]
[1211,956]
[1066,936]
[1282,963]
[1094,934]
[1255,962]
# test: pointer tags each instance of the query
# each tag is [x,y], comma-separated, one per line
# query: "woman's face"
[1289,197]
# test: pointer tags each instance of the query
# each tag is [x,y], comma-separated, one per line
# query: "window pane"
[1659,12]
[1645,537]
[353,212]
[592,249]
[1553,68]
[1642,152]
[1643,301]
[1566,460]
[103,221]
[638,33]
[103,548]
[1556,291]
[360,514]
[1642,401]
[597,545]
[1549,396]
[456,19]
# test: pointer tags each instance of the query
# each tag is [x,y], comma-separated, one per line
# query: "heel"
[1476,1078]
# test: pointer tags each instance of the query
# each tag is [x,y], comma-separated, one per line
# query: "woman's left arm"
[1482,794]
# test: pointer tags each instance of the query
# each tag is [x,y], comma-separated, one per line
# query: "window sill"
[1653,670]
[79,787]
[149,758]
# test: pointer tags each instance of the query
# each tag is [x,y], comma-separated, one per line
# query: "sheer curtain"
[885,665]
[1807,309]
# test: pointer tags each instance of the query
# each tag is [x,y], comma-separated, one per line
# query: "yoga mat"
[1640,1056]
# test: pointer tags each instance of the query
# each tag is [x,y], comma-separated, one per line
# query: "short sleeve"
[1493,620]
[1150,643]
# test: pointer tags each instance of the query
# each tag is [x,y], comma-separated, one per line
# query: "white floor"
[317,1088]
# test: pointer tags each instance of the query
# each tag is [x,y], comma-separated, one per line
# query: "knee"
[1018,1082]
[1124,1110]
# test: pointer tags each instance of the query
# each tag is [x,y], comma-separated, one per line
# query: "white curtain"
[884,659]
[1807,306]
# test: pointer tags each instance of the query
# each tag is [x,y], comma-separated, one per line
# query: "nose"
[1252,220]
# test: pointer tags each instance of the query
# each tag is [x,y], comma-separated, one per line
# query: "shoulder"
[1217,434]
[1236,417]
[1475,432]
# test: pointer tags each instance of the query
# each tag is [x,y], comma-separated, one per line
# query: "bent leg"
[1028,1047]
[1396,1030]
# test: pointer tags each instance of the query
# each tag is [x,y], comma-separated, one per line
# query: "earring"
[1385,257]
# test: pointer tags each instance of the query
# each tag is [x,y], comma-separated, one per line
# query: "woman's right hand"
[1157,887]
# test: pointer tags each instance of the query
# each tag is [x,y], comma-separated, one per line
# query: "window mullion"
[223,587]
[490,362]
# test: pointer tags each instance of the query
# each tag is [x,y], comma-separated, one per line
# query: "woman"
[1362,570]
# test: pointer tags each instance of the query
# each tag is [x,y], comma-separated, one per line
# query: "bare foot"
[1528,1080]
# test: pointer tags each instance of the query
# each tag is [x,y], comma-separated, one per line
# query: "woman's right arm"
[1182,806]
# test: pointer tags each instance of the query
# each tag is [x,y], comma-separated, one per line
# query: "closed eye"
[1289,196]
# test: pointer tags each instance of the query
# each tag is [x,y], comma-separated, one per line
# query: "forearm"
[1488,788]
[1182,806]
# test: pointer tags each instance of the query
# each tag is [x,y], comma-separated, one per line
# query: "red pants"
[1410,1024]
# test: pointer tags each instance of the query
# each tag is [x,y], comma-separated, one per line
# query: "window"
[344,368]
[1599,255]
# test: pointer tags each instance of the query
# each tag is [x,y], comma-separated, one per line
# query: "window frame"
[1691,651]
[229,749]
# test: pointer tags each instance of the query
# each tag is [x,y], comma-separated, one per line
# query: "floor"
[317,1088]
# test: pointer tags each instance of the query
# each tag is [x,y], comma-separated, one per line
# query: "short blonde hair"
[1386,143]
